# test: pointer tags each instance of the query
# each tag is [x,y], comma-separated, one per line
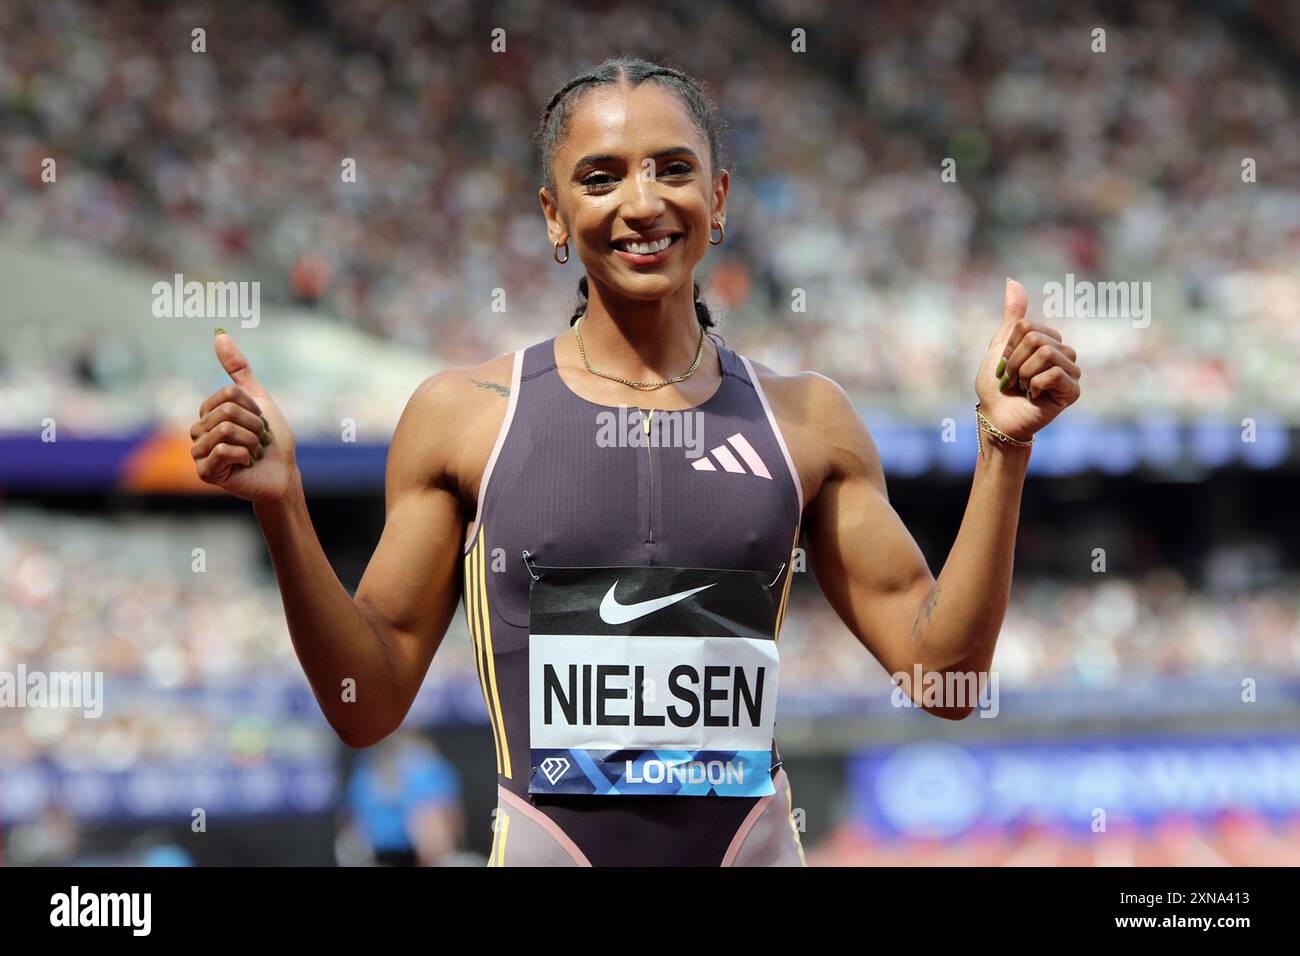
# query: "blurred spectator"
[403,803]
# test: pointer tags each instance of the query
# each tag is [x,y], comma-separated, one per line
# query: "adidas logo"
[729,462]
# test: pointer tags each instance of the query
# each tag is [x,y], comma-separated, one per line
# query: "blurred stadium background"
[1120,689]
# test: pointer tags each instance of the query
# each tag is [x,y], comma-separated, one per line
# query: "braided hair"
[632,71]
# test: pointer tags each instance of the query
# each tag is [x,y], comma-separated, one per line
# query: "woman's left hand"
[1029,375]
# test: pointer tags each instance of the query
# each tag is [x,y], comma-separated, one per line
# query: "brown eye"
[598,180]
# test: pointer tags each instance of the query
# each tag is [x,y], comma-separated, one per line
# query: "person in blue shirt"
[404,800]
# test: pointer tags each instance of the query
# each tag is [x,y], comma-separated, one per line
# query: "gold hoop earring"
[556,253]
[722,234]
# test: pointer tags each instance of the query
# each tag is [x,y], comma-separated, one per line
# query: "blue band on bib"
[674,773]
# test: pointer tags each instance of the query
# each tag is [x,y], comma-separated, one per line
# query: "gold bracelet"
[999,434]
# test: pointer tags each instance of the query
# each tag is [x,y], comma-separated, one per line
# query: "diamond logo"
[555,768]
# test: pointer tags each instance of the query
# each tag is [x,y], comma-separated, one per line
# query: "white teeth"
[647,248]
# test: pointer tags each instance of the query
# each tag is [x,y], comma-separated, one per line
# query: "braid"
[562,92]
[581,308]
[702,313]
[632,71]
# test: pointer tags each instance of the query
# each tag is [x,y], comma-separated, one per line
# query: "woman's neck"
[641,339]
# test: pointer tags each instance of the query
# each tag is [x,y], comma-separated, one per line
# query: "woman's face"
[634,169]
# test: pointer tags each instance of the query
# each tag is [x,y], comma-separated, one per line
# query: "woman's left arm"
[867,563]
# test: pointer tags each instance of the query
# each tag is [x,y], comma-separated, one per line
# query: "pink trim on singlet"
[752,818]
[546,823]
[776,429]
[496,449]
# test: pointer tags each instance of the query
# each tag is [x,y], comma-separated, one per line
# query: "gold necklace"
[643,386]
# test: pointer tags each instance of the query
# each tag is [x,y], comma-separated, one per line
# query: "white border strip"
[776,430]
[515,373]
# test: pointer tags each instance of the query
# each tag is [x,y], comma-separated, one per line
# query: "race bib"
[651,681]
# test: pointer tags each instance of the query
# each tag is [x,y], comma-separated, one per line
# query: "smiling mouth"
[641,248]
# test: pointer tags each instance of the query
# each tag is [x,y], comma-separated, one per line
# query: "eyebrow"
[597,159]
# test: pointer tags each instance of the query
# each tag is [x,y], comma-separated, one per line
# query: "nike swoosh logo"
[611,612]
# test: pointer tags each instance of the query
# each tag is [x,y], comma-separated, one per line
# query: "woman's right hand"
[241,441]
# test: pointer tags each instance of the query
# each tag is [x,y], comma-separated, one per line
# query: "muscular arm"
[386,637]
[871,569]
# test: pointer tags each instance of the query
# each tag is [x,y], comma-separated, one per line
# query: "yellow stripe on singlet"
[472,616]
[785,592]
[485,622]
[789,794]
[504,833]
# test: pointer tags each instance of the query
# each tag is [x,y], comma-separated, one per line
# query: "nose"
[641,200]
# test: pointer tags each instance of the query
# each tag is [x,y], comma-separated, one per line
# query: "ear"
[721,183]
[556,231]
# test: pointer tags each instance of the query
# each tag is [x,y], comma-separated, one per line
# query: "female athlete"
[618,508]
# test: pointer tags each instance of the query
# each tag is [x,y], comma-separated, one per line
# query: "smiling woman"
[634,702]
[624,599]
[656,127]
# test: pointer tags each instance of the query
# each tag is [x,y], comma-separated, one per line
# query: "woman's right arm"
[365,658]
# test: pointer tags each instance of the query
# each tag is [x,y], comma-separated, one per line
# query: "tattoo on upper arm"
[927,607]
[500,389]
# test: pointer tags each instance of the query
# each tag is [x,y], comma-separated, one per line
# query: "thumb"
[236,366]
[1014,304]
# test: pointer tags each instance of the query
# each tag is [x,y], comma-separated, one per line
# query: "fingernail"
[1002,367]
[250,459]
[1030,394]
[265,438]
[259,453]
[1004,381]
[1008,280]
[266,426]
[218,331]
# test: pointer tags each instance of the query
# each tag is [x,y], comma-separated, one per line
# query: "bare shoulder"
[802,395]
[818,418]
[450,386]
[450,424]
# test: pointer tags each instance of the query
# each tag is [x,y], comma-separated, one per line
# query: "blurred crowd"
[158,608]
[164,609]
[205,668]
[1122,165]
[1062,635]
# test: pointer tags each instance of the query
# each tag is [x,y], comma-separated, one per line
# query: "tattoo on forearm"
[927,607]
[500,389]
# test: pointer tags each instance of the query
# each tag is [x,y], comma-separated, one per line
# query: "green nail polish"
[218,331]
[1004,382]
[1002,367]
[259,453]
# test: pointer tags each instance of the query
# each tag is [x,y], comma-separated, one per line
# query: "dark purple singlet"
[552,490]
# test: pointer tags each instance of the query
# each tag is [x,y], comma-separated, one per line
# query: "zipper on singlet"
[649,515]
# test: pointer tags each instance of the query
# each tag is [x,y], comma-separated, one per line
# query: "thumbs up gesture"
[241,441]
[1028,375]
